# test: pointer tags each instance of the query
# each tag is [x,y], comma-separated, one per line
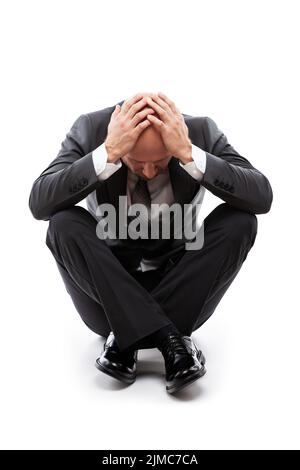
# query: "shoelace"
[173,344]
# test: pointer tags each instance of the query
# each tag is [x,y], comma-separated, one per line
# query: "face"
[149,157]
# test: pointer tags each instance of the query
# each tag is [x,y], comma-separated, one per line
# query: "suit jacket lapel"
[184,185]
[117,185]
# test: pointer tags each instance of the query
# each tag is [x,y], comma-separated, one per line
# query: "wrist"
[112,155]
[186,154]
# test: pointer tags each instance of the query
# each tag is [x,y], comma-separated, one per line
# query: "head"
[149,156]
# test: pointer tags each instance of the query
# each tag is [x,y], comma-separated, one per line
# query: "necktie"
[150,246]
[141,195]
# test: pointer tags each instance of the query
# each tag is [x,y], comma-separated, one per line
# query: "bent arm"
[70,177]
[231,177]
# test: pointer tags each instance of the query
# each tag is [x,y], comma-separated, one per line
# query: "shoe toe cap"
[116,365]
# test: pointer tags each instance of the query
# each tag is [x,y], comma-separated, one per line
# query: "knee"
[238,226]
[64,223]
[242,227]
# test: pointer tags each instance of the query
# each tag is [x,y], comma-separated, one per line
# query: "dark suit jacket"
[71,177]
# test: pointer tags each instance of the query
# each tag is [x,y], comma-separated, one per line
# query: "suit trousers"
[135,304]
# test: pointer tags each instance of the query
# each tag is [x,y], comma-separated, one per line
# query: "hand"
[171,126]
[125,126]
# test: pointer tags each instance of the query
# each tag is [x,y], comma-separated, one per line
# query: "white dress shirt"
[160,187]
[104,169]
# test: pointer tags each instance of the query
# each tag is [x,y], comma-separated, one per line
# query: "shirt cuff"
[196,168]
[104,169]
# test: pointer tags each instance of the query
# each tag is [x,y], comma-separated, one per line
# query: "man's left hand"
[171,125]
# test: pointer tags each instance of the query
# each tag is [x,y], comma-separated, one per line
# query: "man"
[146,292]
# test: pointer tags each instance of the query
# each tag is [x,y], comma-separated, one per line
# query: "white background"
[237,62]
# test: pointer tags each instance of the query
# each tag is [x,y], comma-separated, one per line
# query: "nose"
[149,170]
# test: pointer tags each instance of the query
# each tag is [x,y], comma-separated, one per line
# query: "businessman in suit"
[146,292]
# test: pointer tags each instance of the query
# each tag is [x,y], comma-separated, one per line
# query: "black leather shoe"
[184,363]
[195,351]
[117,364]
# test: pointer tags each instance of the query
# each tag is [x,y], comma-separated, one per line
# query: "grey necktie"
[141,195]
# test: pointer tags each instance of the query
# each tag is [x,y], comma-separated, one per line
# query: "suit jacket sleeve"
[230,176]
[70,177]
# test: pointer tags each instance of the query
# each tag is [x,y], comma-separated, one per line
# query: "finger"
[155,121]
[141,126]
[117,109]
[136,107]
[141,115]
[163,114]
[128,103]
[162,104]
[169,102]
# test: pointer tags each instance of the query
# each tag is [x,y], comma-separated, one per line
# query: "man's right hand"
[125,126]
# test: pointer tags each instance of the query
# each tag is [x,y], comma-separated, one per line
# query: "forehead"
[149,147]
[146,153]
[143,159]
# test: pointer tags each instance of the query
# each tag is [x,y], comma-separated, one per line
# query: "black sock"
[159,335]
[155,339]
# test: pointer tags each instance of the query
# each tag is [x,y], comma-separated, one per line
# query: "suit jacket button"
[84,181]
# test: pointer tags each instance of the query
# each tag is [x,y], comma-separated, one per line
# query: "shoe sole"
[171,390]
[185,383]
[201,358]
[115,374]
[192,378]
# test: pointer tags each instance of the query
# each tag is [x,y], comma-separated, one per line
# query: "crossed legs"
[109,298]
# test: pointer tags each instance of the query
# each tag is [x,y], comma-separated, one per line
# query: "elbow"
[264,208]
[38,213]
[36,209]
[267,201]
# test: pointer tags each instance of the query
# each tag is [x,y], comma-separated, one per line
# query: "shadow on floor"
[150,365]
